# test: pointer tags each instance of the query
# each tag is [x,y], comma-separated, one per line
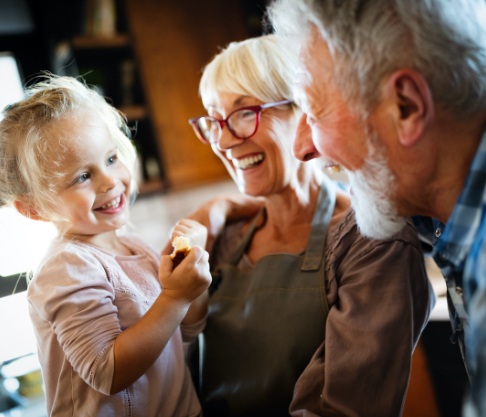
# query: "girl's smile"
[113,206]
[93,202]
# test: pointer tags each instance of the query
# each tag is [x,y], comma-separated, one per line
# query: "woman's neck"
[295,204]
[289,218]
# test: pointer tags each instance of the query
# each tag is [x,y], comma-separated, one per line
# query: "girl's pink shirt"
[80,299]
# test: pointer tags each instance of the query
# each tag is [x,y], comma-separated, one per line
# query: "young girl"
[109,339]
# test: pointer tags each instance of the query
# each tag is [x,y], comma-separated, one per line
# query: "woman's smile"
[248,161]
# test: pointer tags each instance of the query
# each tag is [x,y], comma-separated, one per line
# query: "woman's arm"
[214,213]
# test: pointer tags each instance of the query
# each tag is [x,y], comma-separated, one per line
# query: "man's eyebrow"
[299,96]
[297,100]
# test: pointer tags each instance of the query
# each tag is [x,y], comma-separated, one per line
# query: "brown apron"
[264,325]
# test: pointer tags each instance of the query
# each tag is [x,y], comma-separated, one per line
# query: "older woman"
[305,312]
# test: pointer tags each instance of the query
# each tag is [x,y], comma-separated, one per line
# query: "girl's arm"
[137,347]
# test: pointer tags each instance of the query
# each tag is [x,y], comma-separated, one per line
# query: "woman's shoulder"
[346,235]
[228,241]
[350,254]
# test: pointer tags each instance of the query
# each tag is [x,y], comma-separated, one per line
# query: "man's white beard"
[376,215]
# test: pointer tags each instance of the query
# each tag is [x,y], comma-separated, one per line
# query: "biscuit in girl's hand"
[182,246]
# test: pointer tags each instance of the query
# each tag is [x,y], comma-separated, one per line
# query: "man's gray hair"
[444,40]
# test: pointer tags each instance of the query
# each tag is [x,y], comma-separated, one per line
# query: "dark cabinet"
[173,40]
[100,50]
[109,63]
[146,56]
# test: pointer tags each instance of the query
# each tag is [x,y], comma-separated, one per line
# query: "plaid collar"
[455,243]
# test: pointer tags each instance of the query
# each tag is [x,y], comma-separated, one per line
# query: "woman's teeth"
[111,204]
[248,162]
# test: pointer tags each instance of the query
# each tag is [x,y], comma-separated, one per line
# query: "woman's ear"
[414,105]
[27,210]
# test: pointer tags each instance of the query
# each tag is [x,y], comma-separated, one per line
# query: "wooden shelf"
[134,113]
[109,63]
[151,187]
[100,42]
[172,43]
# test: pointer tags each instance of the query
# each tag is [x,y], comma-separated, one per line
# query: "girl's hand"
[190,279]
[193,230]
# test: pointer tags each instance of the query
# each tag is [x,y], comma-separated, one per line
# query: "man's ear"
[27,210]
[414,105]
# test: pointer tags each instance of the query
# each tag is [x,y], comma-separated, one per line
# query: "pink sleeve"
[72,292]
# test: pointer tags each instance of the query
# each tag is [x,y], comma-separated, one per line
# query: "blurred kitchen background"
[146,57]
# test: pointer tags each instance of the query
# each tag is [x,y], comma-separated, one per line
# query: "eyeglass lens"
[208,128]
[242,124]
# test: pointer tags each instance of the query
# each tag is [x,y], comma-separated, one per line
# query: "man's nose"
[304,148]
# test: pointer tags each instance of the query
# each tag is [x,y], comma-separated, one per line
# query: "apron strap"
[247,237]
[320,225]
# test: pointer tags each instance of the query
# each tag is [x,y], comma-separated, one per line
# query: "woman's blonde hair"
[262,67]
[29,138]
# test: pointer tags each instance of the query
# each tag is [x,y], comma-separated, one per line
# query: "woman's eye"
[246,114]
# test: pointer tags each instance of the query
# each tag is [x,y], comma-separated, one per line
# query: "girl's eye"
[112,159]
[82,178]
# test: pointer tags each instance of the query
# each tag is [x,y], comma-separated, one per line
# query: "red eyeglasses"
[242,123]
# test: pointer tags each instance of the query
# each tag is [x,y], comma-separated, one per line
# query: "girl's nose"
[304,148]
[108,182]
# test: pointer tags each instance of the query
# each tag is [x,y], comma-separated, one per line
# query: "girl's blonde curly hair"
[29,137]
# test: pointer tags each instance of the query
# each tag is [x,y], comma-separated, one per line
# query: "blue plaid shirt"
[459,249]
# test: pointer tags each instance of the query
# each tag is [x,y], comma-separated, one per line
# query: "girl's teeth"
[248,162]
[111,204]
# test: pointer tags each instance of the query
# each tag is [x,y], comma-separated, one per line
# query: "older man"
[394,91]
